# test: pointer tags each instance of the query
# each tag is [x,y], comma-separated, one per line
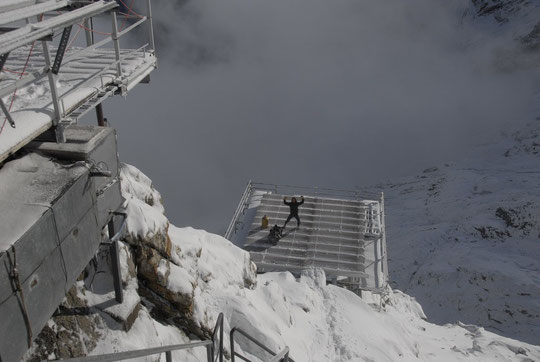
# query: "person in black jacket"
[293,205]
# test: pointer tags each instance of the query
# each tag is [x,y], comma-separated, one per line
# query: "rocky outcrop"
[71,332]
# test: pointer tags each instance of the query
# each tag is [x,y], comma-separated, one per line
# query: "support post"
[99,115]
[3,59]
[168,356]
[150,25]
[88,24]
[6,113]
[88,31]
[383,241]
[209,356]
[116,44]
[115,264]
[221,342]
[52,84]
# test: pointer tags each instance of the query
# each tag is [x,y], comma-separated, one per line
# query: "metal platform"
[63,80]
[339,232]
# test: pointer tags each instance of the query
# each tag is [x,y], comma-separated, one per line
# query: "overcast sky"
[339,94]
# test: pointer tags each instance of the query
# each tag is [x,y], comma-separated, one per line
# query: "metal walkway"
[50,79]
[343,236]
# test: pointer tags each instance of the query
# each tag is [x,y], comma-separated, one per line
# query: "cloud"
[313,92]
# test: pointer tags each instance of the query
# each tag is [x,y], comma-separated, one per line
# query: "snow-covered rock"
[464,238]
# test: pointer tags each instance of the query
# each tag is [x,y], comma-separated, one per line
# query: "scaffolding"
[38,55]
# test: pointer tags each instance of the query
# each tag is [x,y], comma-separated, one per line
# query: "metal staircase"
[214,349]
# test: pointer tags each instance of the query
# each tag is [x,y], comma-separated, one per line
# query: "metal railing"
[244,201]
[36,32]
[214,351]
[316,191]
[355,195]
[218,331]
[282,356]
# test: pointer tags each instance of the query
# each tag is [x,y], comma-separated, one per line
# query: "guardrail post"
[88,31]
[150,26]
[221,341]
[231,339]
[168,356]
[383,241]
[209,355]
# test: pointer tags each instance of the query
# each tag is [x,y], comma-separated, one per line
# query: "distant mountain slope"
[464,238]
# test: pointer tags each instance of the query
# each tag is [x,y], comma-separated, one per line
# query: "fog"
[330,93]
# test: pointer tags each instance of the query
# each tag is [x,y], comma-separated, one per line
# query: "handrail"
[218,327]
[31,32]
[319,191]
[241,205]
[119,356]
[235,354]
[282,356]
[209,344]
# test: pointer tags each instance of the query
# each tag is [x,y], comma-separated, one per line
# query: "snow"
[449,249]
[318,322]
[29,185]
[144,220]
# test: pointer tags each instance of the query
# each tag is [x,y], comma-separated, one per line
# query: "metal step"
[91,102]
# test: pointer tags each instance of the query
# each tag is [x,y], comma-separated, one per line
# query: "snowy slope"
[464,238]
[177,280]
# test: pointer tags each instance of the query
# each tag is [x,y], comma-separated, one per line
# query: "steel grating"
[340,236]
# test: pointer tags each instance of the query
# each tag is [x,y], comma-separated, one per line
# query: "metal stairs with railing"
[214,349]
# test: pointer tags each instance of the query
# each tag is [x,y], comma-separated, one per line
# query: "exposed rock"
[71,332]
[159,241]
[155,271]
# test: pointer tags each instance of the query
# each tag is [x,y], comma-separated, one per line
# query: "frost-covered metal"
[64,79]
[341,232]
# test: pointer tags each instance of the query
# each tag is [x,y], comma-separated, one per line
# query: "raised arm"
[301,202]
[285,201]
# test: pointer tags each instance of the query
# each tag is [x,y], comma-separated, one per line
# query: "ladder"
[90,103]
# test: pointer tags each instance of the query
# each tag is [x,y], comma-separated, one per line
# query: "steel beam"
[52,84]
[116,44]
[6,113]
[31,32]
[30,11]
[62,46]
